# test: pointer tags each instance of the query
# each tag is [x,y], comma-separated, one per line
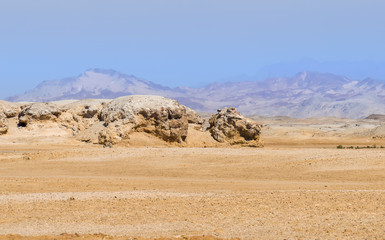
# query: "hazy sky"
[180,42]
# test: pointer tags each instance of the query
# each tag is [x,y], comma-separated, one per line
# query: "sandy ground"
[299,186]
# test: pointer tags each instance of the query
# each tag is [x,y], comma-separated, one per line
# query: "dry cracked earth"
[299,186]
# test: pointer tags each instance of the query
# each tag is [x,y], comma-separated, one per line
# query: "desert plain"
[298,186]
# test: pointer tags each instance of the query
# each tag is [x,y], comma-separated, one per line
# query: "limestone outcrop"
[80,115]
[88,108]
[194,118]
[124,119]
[228,125]
[3,123]
[10,110]
[159,116]
[38,112]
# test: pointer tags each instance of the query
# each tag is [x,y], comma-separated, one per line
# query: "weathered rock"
[228,125]
[10,110]
[194,118]
[39,112]
[88,108]
[109,137]
[80,115]
[160,116]
[3,124]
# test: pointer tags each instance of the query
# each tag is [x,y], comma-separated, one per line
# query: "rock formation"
[194,118]
[3,123]
[228,125]
[159,116]
[10,110]
[80,115]
[38,112]
[110,122]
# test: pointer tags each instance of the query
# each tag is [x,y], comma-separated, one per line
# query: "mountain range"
[306,94]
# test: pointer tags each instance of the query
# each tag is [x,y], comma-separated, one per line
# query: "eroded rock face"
[3,123]
[228,125]
[38,112]
[88,108]
[160,116]
[10,110]
[80,115]
[109,122]
[194,118]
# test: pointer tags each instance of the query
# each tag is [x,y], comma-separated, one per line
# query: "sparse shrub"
[340,147]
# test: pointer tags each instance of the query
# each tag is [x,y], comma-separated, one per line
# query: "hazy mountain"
[352,69]
[93,83]
[307,94]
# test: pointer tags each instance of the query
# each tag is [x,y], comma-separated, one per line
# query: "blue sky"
[185,42]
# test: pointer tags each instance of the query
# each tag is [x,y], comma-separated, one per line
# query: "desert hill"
[376,117]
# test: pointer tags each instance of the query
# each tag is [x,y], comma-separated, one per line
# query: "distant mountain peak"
[102,70]
[108,72]
[92,83]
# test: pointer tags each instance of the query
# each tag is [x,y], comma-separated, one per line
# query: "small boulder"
[38,112]
[228,125]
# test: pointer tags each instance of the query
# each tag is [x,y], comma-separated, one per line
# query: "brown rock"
[228,125]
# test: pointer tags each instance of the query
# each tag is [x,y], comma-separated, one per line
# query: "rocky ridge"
[111,122]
